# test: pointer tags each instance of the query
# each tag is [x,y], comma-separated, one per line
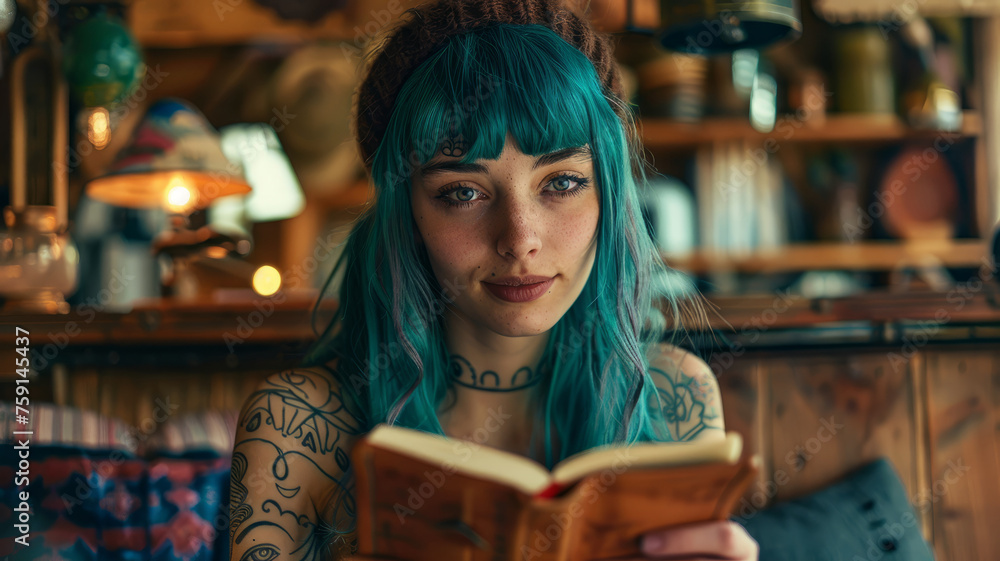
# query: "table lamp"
[175,161]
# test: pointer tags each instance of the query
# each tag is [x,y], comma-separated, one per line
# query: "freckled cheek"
[575,233]
[447,244]
[453,248]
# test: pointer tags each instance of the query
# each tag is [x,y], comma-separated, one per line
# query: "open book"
[424,497]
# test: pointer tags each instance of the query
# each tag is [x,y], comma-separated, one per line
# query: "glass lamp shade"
[708,27]
[174,161]
[8,10]
[277,194]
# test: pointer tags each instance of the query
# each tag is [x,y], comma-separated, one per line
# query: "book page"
[647,455]
[469,458]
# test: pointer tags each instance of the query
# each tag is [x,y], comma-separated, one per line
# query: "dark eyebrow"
[451,166]
[544,160]
[560,155]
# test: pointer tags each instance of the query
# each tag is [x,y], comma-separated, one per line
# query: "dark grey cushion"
[866,516]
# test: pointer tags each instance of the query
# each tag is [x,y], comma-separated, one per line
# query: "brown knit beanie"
[430,25]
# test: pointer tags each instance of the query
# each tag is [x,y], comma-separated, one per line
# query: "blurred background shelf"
[354,197]
[871,256]
[844,127]
[194,23]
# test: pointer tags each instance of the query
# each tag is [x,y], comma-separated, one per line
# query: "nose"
[518,235]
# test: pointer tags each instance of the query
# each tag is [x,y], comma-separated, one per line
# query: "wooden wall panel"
[964,430]
[742,407]
[84,384]
[140,398]
[832,414]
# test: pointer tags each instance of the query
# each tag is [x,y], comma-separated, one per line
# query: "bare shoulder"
[313,417]
[307,404]
[688,391]
[291,458]
[673,358]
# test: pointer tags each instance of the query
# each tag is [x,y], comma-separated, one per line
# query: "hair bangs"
[494,81]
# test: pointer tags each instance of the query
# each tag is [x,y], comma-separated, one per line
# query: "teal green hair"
[387,337]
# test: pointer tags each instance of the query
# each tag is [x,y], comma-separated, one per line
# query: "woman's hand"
[696,542]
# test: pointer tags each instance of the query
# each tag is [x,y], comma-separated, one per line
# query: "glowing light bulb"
[99,128]
[180,197]
[266,280]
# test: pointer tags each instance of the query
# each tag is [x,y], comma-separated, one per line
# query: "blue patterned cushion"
[89,505]
[98,489]
[866,515]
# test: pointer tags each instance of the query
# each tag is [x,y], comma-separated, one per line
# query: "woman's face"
[488,224]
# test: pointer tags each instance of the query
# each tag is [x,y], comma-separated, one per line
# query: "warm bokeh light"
[180,197]
[216,252]
[266,280]
[99,128]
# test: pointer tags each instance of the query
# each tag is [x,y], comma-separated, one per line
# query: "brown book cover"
[424,497]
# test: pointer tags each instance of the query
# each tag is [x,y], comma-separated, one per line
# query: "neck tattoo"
[463,374]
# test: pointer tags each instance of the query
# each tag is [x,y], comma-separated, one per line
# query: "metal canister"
[864,71]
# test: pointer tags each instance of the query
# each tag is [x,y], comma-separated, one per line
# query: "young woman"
[501,288]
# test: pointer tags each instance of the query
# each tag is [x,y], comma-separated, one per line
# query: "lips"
[528,288]
[519,281]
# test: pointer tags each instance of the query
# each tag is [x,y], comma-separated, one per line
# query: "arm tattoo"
[690,399]
[296,405]
[239,509]
[689,404]
[299,427]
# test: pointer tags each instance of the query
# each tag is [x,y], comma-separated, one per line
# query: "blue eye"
[465,196]
[563,183]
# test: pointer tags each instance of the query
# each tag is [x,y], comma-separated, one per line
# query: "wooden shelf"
[202,23]
[874,307]
[197,23]
[168,321]
[663,133]
[876,256]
